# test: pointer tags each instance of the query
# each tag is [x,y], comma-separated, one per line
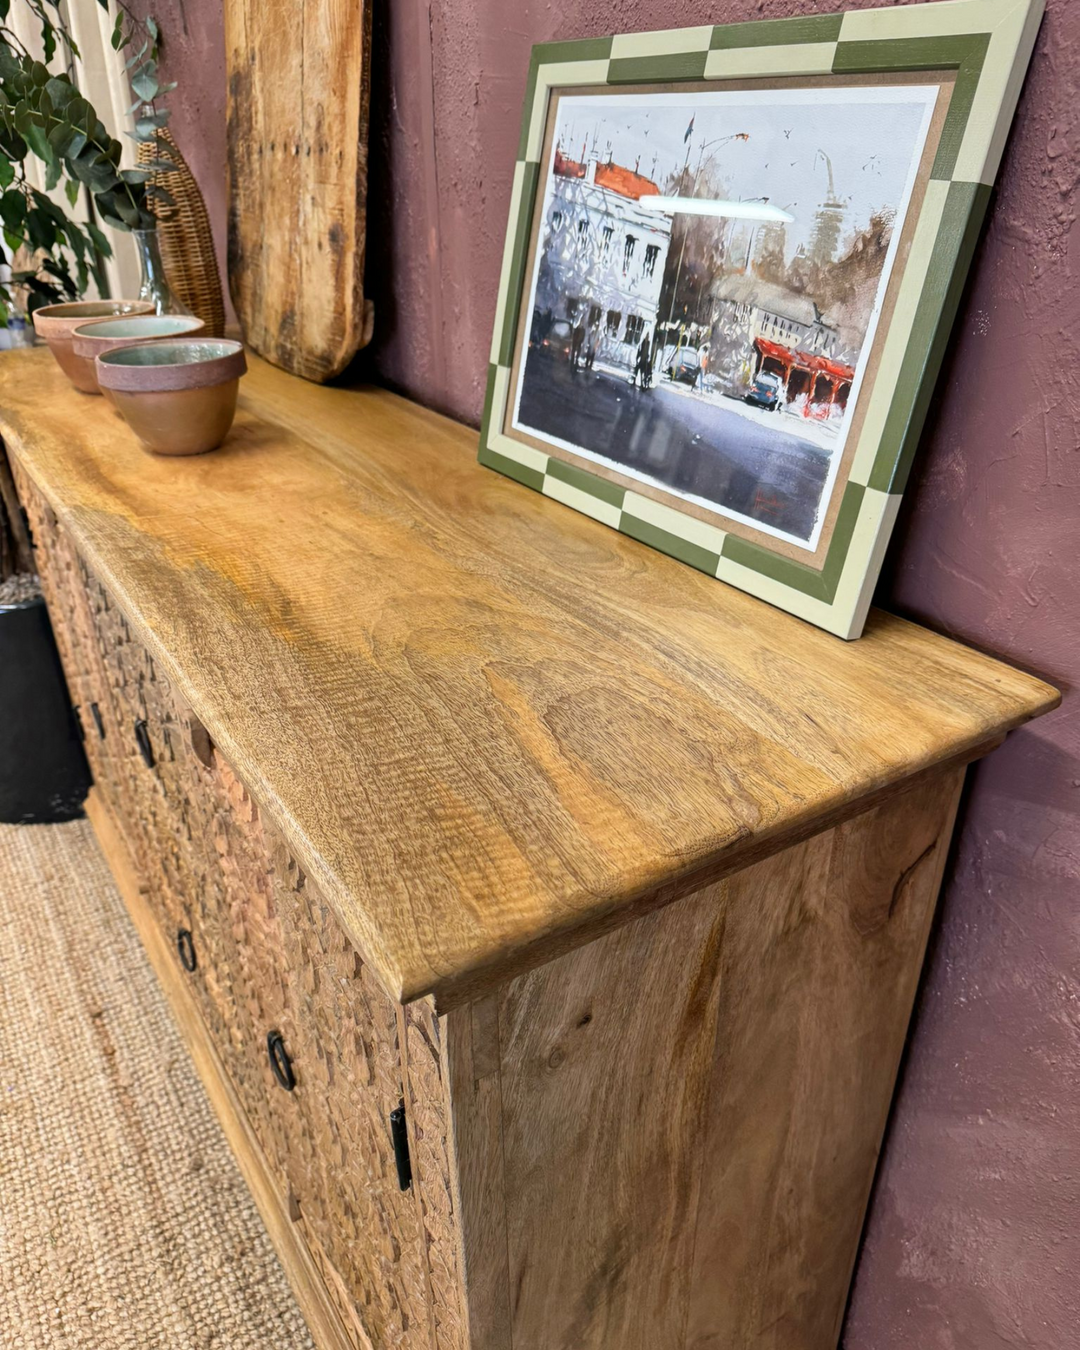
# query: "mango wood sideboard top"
[489,727]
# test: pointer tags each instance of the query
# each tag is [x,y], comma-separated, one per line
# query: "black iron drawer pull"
[142,740]
[185,945]
[399,1135]
[95,712]
[280,1061]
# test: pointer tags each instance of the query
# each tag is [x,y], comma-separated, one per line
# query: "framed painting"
[733,260]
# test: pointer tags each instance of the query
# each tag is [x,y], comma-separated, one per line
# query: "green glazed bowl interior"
[139,326]
[188,353]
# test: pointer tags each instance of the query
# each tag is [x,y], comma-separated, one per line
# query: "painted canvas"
[734,257]
[717,356]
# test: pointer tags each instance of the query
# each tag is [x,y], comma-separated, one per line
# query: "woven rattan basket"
[187,244]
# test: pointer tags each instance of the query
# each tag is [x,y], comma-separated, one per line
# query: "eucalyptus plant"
[43,114]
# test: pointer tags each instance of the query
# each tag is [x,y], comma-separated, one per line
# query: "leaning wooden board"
[298,85]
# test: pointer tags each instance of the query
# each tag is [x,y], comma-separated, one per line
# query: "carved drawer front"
[328,1133]
[64,582]
[263,956]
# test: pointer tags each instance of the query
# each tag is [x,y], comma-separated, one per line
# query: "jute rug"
[124,1222]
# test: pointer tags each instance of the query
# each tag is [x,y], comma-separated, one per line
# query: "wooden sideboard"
[544,918]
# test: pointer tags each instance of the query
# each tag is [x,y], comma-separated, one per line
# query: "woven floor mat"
[124,1222]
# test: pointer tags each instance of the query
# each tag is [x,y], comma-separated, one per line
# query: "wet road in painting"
[684,441]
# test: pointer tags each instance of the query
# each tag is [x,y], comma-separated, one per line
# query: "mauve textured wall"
[193,54]
[974,1235]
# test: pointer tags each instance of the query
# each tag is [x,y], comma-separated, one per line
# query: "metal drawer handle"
[399,1135]
[185,945]
[142,740]
[280,1061]
[95,712]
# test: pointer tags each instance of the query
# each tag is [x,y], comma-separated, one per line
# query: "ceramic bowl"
[178,396]
[93,339]
[56,324]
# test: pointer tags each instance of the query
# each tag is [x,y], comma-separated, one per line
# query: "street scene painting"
[713,342]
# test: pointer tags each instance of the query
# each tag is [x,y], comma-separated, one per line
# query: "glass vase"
[154,285]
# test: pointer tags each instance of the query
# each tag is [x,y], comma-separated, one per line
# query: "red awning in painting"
[820,365]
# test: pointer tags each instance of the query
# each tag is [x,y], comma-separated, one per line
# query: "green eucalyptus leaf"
[35,137]
[144,84]
[52,174]
[39,74]
[151,27]
[133,61]
[61,137]
[61,91]
[138,176]
[79,112]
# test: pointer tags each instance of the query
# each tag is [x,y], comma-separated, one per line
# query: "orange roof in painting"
[626,182]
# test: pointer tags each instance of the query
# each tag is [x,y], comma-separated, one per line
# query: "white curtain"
[100,75]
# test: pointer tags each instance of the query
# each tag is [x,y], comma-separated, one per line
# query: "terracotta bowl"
[56,323]
[178,396]
[93,339]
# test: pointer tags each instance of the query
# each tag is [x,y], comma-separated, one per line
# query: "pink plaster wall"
[193,54]
[974,1235]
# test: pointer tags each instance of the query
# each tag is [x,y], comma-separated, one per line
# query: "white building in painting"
[603,257]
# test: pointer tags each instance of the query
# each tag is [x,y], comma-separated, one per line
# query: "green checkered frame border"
[988,43]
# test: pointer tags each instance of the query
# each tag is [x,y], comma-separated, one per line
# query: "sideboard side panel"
[665,1140]
[822,956]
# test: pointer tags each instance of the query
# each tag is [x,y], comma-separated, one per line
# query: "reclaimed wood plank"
[299,82]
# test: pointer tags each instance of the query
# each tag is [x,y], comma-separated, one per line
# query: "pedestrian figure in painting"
[576,343]
[643,367]
[703,366]
[590,351]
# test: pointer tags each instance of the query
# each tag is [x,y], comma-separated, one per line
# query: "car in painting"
[685,368]
[559,339]
[766,391]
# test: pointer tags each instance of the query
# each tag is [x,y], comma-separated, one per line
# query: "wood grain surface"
[487,727]
[298,86]
[665,1140]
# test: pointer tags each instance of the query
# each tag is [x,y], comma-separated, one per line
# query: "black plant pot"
[43,771]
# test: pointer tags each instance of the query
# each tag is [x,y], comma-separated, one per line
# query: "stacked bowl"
[176,389]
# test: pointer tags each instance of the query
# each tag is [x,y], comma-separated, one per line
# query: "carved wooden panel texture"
[270,957]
